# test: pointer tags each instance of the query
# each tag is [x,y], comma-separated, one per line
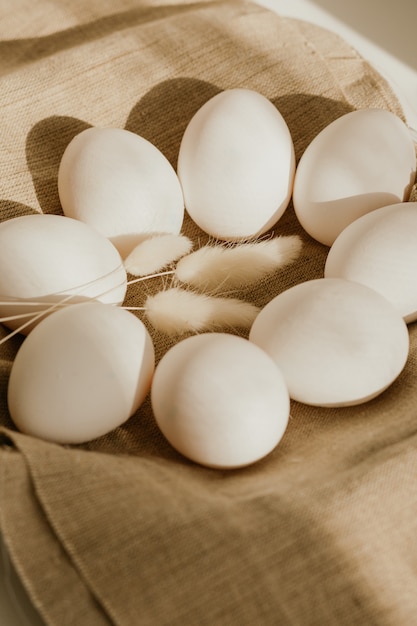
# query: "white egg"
[362,161]
[380,250]
[122,185]
[49,258]
[82,372]
[337,342]
[219,400]
[236,165]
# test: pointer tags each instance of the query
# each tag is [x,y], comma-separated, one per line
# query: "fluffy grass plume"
[219,266]
[176,311]
[155,253]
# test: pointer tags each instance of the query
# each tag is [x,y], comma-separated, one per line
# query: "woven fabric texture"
[123,530]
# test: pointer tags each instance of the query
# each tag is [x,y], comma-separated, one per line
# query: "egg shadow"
[307,115]
[10,209]
[45,145]
[163,113]
[5,369]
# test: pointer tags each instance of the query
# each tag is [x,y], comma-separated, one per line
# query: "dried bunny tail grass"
[155,253]
[177,311]
[215,266]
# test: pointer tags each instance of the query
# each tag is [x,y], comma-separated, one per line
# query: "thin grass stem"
[36,315]
[142,278]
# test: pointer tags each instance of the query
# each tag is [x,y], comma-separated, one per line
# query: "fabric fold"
[53,584]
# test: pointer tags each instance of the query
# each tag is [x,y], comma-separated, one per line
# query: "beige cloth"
[123,530]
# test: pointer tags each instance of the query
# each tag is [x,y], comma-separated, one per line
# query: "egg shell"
[49,258]
[236,165]
[120,184]
[337,342]
[362,161]
[220,400]
[380,250]
[83,371]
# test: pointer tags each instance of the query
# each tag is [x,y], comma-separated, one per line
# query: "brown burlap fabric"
[123,530]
